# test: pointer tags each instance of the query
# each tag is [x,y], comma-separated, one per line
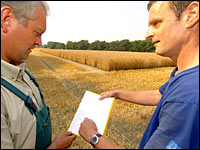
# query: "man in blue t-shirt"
[174,30]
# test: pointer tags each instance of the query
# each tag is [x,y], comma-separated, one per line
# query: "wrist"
[52,146]
[117,93]
[88,138]
[95,139]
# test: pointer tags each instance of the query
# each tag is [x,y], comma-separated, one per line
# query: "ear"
[192,14]
[6,16]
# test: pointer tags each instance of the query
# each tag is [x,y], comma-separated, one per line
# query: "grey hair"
[25,10]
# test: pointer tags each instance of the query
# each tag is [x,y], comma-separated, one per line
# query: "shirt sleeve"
[6,140]
[163,87]
[178,125]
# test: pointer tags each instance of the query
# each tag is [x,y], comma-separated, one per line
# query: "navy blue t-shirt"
[175,122]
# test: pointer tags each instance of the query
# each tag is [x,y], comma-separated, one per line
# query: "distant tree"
[102,45]
[113,46]
[60,45]
[149,46]
[134,46]
[69,45]
[124,45]
[142,46]
[75,45]
[51,45]
[94,45]
[83,44]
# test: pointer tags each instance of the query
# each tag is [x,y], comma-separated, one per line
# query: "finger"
[85,119]
[68,133]
[72,137]
[102,93]
[79,131]
[102,97]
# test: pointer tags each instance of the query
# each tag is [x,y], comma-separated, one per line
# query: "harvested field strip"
[46,64]
[63,88]
[112,60]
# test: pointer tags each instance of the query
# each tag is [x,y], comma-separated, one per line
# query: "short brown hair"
[177,6]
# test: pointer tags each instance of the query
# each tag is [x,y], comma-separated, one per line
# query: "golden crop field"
[63,85]
[112,60]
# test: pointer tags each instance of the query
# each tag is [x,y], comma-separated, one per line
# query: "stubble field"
[63,84]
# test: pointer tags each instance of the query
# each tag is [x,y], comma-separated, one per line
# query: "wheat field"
[63,85]
[112,60]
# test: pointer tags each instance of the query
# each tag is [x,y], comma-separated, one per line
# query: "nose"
[149,34]
[39,41]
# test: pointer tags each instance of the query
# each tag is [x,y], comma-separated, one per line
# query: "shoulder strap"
[28,101]
[36,84]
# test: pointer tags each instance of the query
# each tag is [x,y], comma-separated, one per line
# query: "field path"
[86,67]
[46,64]
[76,87]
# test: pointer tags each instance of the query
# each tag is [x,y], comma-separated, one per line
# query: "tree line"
[123,45]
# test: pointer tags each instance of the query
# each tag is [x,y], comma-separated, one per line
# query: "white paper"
[94,109]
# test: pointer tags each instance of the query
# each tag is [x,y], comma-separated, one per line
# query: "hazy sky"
[96,20]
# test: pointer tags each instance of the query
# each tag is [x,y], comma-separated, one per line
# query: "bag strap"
[27,99]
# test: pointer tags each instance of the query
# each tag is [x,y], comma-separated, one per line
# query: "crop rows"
[112,60]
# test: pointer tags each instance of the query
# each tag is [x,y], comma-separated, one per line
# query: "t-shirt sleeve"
[178,122]
[163,87]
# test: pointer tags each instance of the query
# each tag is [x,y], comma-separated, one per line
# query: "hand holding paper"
[87,129]
[91,107]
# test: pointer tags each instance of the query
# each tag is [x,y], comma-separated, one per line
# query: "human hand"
[62,141]
[108,94]
[87,129]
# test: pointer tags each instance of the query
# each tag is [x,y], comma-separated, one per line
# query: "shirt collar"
[173,72]
[11,71]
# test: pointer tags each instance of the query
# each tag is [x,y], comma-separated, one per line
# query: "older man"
[25,118]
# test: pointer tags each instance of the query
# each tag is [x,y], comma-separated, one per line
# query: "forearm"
[88,128]
[149,97]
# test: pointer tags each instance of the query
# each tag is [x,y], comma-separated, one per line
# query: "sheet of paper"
[92,108]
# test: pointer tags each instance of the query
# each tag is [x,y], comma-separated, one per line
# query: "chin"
[159,52]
